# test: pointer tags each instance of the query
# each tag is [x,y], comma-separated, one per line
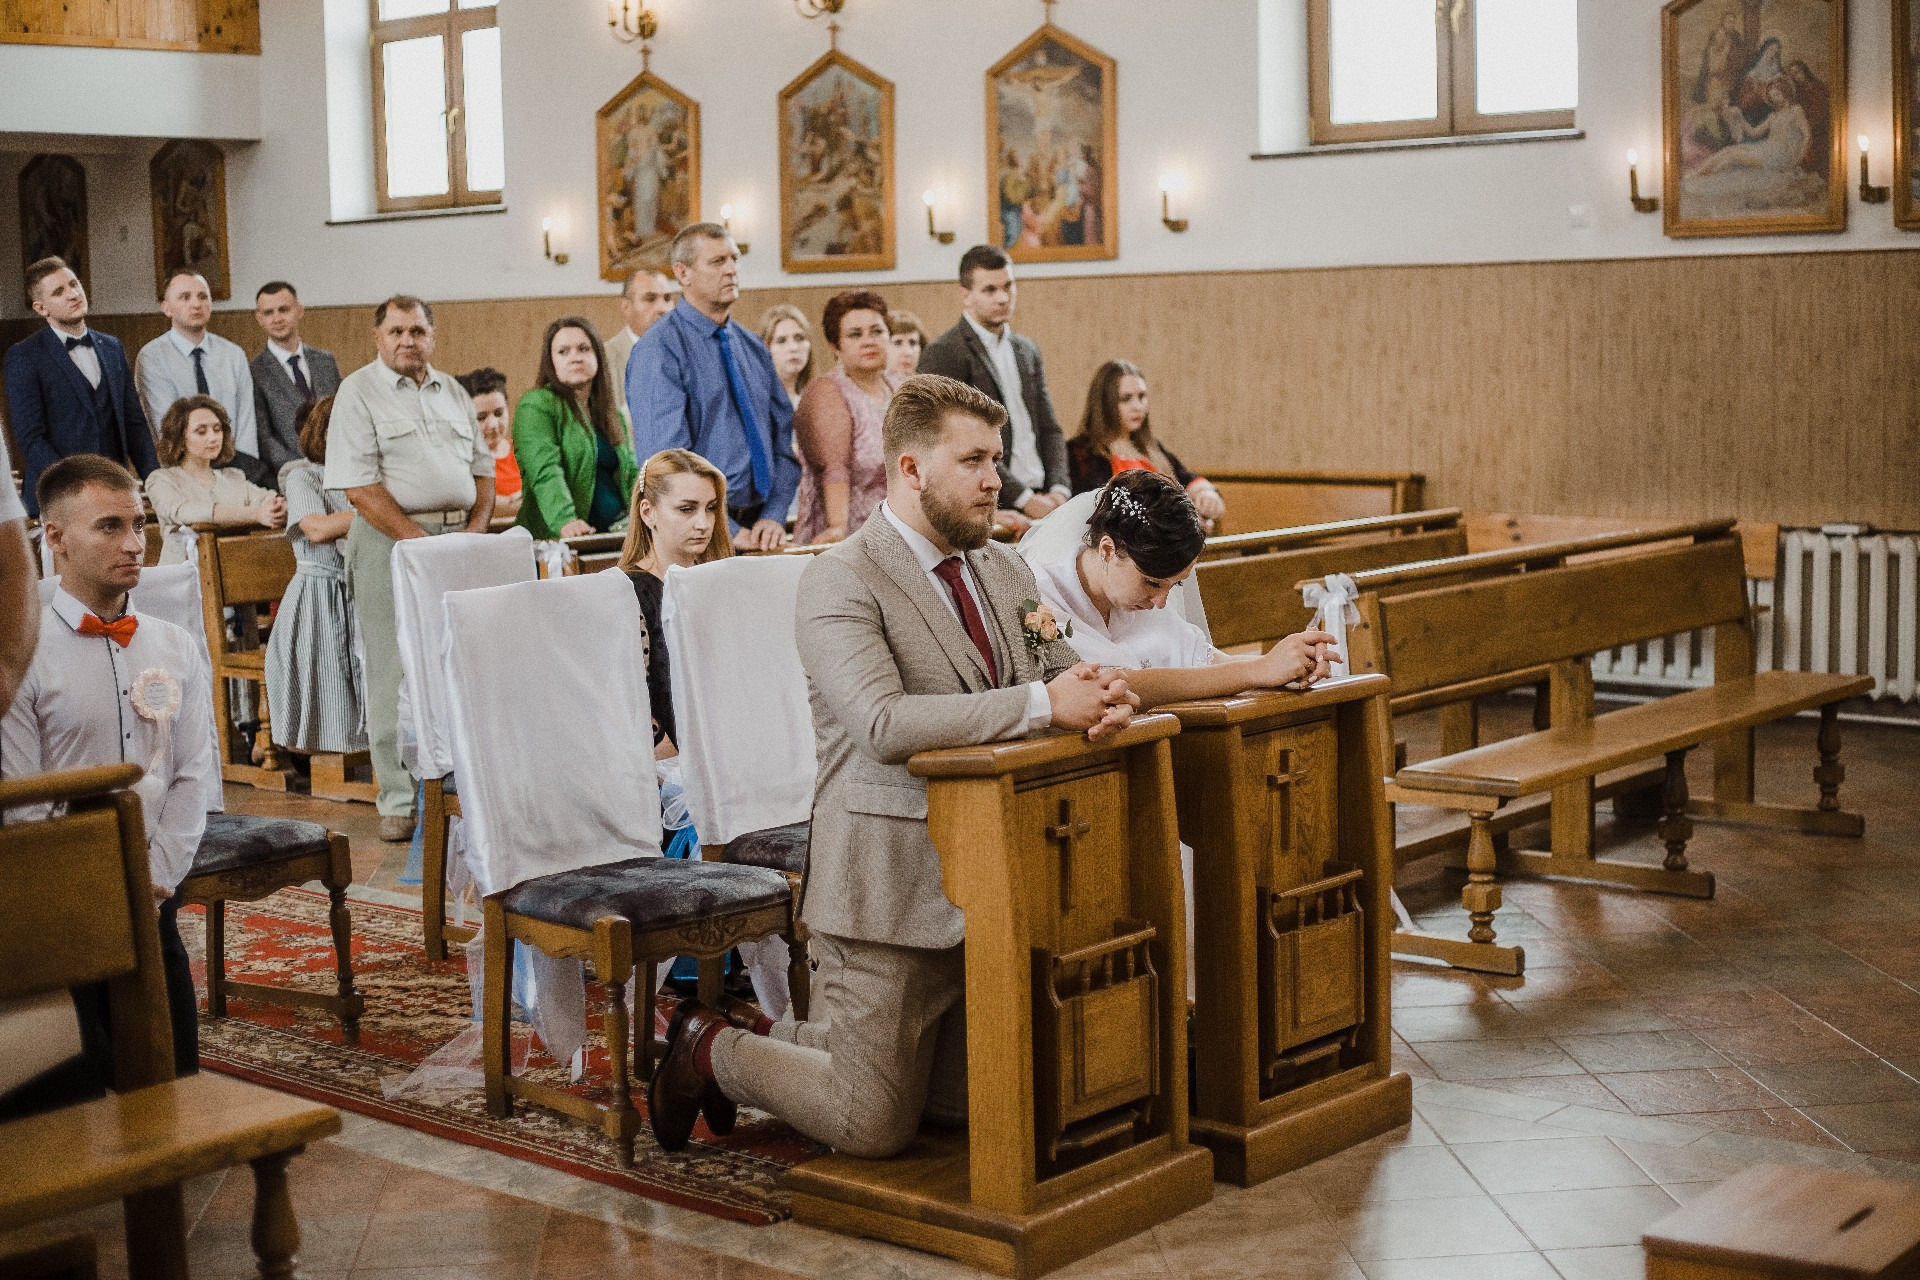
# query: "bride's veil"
[1054,538]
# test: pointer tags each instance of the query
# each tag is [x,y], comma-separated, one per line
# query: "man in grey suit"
[912,637]
[288,375]
[984,352]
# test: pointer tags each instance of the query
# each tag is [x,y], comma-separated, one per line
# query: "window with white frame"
[1388,69]
[438,129]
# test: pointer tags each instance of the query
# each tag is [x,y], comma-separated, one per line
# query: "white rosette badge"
[156,699]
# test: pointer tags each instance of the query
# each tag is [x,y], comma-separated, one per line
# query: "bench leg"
[276,1229]
[1675,827]
[496,1011]
[1830,773]
[620,1114]
[1459,727]
[433,869]
[341,923]
[1481,896]
[156,1228]
[217,959]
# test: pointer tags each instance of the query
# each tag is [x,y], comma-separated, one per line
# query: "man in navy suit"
[69,388]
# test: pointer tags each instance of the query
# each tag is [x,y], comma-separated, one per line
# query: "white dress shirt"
[164,373]
[1024,461]
[75,711]
[285,357]
[929,557]
[85,358]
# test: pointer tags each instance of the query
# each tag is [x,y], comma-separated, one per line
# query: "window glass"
[393,9]
[1383,54]
[416,97]
[1528,55]
[486,142]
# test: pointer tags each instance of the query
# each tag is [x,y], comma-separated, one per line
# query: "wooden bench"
[1772,1222]
[1258,541]
[79,909]
[1261,499]
[1474,630]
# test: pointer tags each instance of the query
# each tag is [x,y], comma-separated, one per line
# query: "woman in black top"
[678,517]
[1116,436]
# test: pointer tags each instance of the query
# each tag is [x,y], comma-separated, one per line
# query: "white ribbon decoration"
[1334,611]
[554,557]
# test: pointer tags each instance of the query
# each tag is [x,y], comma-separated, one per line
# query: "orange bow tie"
[120,630]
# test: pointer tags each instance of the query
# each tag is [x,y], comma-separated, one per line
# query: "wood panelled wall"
[204,26]
[1779,388]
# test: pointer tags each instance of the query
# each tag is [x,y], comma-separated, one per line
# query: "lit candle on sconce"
[1640,205]
[552,229]
[932,198]
[1170,183]
[726,223]
[1869,194]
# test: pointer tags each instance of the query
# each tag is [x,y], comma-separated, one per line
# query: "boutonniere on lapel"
[1038,627]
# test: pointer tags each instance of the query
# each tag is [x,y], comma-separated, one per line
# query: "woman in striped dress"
[313,670]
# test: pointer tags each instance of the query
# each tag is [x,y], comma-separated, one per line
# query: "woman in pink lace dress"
[837,422]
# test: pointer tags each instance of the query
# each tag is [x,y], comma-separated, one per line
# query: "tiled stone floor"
[1654,1047]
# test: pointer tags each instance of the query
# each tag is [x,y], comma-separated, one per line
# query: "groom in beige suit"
[911,635]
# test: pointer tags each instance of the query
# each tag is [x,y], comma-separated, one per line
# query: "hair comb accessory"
[1126,504]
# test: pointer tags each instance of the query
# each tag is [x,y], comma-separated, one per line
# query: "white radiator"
[1841,603]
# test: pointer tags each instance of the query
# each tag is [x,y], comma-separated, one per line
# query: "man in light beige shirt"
[404,446]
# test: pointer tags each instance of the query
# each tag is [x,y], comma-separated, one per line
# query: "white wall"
[1190,99]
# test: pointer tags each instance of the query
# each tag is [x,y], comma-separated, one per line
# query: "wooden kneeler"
[1282,803]
[1064,857]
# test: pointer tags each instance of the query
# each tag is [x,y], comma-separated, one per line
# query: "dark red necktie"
[948,571]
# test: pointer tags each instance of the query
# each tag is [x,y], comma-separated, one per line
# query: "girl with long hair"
[576,463]
[1116,435]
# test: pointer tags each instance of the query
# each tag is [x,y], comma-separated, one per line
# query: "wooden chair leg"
[1829,773]
[496,1010]
[1675,827]
[643,1018]
[341,923]
[620,1114]
[799,977]
[1481,896]
[217,959]
[156,1224]
[270,757]
[276,1229]
[433,869]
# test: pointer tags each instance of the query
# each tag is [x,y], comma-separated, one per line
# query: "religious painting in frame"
[1755,97]
[836,168]
[189,181]
[1052,180]
[53,214]
[1906,113]
[648,148]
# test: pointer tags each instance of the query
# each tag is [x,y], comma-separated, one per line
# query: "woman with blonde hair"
[789,340]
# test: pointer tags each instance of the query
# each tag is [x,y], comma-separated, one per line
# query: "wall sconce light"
[1640,205]
[1169,183]
[1870,194]
[631,20]
[546,243]
[726,224]
[944,237]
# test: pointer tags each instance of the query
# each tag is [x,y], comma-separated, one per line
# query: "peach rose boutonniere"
[1038,626]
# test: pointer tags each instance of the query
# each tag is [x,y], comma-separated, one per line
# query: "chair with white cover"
[745,733]
[548,706]
[424,570]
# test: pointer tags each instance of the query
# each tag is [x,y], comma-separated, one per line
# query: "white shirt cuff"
[1019,500]
[1061,491]
[1039,707]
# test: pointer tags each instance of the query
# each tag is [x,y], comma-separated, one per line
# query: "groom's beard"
[964,523]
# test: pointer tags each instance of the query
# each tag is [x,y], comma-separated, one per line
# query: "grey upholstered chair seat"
[236,840]
[654,893]
[781,848]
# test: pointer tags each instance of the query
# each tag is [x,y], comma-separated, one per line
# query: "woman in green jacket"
[575,458]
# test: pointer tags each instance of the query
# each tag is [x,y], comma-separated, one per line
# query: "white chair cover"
[1065,527]
[740,711]
[424,570]
[547,695]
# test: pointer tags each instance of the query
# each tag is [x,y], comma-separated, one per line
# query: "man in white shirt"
[984,352]
[111,686]
[288,375]
[648,296]
[189,360]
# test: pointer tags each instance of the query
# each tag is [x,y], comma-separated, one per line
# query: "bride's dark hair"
[1151,520]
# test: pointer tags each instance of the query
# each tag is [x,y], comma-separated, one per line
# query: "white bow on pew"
[1332,600]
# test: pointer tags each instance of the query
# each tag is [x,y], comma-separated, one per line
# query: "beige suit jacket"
[891,672]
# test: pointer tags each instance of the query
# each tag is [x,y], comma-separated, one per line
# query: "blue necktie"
[200,371]
[756,448]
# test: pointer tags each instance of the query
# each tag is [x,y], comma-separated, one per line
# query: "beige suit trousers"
[885,1046]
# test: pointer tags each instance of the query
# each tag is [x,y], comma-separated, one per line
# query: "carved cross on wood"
[1284,782]
[1066,831]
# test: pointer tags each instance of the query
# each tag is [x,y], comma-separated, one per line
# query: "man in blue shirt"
[696,380]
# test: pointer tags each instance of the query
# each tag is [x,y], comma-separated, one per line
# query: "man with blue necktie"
[69,388]
[696,380]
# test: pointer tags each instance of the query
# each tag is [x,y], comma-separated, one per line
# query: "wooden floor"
[1655,1047]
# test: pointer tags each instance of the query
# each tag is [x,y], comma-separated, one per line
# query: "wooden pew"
[1473,628]
[1261,499]
[79,909]
[1064,857]
[1292,876]
[1258,541]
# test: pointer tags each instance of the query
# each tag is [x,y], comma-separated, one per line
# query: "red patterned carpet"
[413,1008]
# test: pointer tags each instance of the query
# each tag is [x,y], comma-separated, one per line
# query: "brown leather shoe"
[742,1014]
[678,1093]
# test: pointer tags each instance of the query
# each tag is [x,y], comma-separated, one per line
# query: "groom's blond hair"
[917,417]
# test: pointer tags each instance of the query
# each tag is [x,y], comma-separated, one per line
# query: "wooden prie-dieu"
[1282,803]
[1064,857]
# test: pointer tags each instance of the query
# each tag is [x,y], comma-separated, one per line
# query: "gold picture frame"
[1754,101]
[53,214]
[1906,113]
[1053,208]
[836,168]
[647,167]
[189,189]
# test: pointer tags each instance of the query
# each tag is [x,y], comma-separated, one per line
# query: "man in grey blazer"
[984,352]
[912,637]
[288,375]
